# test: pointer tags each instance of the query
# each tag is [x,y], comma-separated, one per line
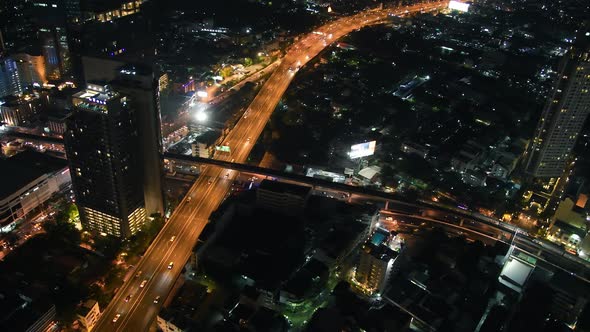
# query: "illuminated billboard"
[362,150]
[460,6]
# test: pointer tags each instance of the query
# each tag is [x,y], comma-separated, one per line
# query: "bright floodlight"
[201,116]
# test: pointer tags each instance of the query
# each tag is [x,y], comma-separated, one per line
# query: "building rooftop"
[209,137]
[18,313]
[341,237]
[515,274]
[54,113]
[304,279]
[386,318]
[85,307]
[135,69]
[265,319]
[326,319]
[178,318]
[96,93]
[10,101]
[284,188]
[24,168]
[568,213]
[381,252]
[370,172]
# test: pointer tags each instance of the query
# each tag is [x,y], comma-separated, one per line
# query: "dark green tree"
[62,231]
[108,245]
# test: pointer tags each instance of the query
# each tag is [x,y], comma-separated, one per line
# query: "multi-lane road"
[133,305]
[186,108]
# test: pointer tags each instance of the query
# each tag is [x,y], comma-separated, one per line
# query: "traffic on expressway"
[134,307]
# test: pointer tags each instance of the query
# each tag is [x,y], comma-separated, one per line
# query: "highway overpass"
[432,212]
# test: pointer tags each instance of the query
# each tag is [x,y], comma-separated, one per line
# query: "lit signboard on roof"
[362,150]
[202,94]
[460,6]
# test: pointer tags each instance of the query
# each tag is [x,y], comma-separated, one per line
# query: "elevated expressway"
[452,219]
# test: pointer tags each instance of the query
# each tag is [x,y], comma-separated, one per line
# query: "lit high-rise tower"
[141,84]
[102,146]
[564,114]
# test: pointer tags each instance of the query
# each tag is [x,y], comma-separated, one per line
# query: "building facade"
[18,111]
[55,49]
[56,123]
[88,314]
[21,71]
[31,69]
[102,144]
[375,267]
[285,198]
[31,179]
[141,83]
[569,224]
[10,83]
[564,114]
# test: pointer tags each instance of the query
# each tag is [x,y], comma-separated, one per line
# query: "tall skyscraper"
[54,47]
[101,143]
[37,28]
[139,82]
[564,114]
[17,28]
[19,72]
[10,82]
[50,20]
[31,68]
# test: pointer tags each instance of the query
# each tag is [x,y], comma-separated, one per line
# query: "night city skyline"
[308,165]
